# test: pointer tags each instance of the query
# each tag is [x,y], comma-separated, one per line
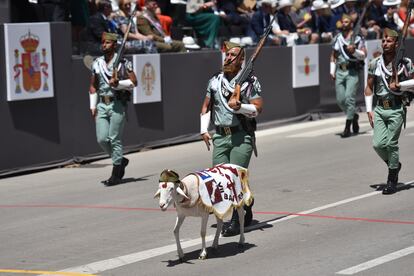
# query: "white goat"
[185,195]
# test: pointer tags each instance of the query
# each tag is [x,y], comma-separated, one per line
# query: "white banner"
[29,64]
[148,71]
[305,65]
[374,49]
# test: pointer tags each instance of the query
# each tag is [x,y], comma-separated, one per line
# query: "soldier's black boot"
[248,217]
[392,181]
[347,130]
[234,228]
[124,163]
[355,125]
[115,176]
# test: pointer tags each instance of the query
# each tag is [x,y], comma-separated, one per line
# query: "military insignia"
[307,68]
[32,65]
[148,78]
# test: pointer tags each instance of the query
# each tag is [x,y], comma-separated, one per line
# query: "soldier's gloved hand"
[351,49]
[113,82]
[394,86]
[234,104]
[93,112]
[206,138]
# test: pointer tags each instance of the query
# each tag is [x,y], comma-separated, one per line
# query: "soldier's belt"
[389,104]
[347,66]
[228,130]
[106,99]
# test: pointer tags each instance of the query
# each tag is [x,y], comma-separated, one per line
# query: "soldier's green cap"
[390,32]
[169,176]
[109,36]
[346,16]
[230,45]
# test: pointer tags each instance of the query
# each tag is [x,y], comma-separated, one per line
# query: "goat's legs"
[240,212]
[204,220]
[218,231]
[178,223]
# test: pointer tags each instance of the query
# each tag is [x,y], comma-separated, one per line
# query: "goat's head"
[169,187]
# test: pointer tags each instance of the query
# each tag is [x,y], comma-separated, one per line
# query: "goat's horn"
[157,194]
[181,192]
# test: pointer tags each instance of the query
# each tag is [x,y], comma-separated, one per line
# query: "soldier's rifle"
[358,25]
[121,48]
[248,68]
[401,46]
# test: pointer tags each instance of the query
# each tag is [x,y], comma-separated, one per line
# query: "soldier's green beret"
[390,32]
[169,176]
[109,36]
[230,45]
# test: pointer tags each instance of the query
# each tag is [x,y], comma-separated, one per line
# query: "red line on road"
[173,210]
[337,217]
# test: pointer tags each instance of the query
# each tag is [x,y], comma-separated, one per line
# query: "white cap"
[246,41]
[336,3]
[269,2]
[391,2]
[284,3]
[319,5]
[189,43]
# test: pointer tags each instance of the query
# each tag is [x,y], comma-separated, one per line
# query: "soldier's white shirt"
[222,89]
[103,72]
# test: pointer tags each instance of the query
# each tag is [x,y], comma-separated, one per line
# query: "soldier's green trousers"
[387,129]
[109,125]
[235,149]
[346,85]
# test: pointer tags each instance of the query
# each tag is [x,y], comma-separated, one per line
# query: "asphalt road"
[317,212]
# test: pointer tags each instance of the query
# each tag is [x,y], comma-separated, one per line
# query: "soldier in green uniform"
[108,97]
[234,140]
[345,67]
[389,113]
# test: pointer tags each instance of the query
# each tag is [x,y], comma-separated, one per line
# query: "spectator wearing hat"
[392,19]
[402,13]
[136,42]
[200,15]
[321,21]
[375,18]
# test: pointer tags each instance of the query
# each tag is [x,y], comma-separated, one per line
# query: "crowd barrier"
[59,130]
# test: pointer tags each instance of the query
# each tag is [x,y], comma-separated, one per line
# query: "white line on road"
[104,265]
[378,261]
[324,131]
[297,126]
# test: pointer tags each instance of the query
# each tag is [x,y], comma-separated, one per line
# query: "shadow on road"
[400,186]
[132,179]
[223,251]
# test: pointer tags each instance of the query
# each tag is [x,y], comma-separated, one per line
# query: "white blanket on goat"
[223,187]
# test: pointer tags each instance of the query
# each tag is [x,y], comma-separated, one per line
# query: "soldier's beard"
[231,69]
